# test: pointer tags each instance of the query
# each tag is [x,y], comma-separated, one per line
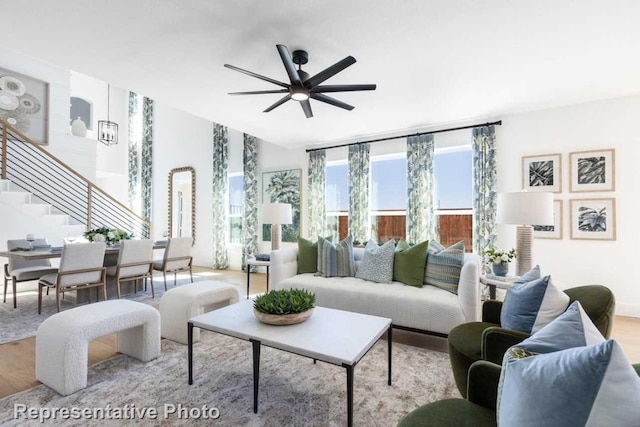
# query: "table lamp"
[525,209]
[276,214]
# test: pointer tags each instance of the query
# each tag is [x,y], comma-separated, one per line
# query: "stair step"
[37,208]
[4,184]
[56,219]
[19,197]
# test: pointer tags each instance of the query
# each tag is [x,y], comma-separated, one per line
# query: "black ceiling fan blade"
[332,101]
[306,107]
[341,88]
[257,76]
[330,72]
[278,103]
[285,55]
[259,92]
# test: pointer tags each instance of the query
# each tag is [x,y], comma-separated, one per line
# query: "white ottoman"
[180,304]
[62,340]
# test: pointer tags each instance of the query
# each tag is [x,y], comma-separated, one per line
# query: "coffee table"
[338,337]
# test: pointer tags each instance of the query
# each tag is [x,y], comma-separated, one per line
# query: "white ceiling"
[435,62]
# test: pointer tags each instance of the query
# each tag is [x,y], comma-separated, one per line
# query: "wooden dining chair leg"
[164,274]
[58,298]
[118,288]
[15,292]
[191,274]
[6,283]
[39,298]
[153,292]
[104,290]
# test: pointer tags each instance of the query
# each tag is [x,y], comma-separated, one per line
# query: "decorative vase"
[79,128]
[282,319]
[500,268]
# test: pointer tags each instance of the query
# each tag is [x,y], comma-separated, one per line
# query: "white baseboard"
[631,310]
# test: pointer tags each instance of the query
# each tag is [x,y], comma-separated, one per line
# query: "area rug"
[23,321]
[293,390]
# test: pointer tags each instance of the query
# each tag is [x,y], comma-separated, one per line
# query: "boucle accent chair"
[62,340]
[487,340]
[22,270]
[478,410]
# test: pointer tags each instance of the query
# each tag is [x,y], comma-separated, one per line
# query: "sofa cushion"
[594,385]
[444,266]
[335,260]
[307,256]
[377,262]
[530,306]
[409,264]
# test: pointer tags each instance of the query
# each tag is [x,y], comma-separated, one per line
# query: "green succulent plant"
[289,301]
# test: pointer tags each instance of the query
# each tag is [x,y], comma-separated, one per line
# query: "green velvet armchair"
[486,340]
[478,410]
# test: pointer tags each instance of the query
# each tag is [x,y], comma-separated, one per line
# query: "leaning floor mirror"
[182,202]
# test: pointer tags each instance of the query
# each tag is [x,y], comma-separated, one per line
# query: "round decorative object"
[500,268]
[282,319]
[8,101]
[79,128]
[16,119]
[12,85]
[29,104]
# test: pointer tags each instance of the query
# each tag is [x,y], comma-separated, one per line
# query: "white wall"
[598,125]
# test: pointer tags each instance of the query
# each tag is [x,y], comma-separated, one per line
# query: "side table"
[495,283]
[256,263]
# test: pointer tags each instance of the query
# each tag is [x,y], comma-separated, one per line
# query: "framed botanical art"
[551,231]
[593,219]
[542,173]
[24,104]
[592,170]
[283,187]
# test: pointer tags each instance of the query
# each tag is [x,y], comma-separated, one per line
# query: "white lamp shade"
[276,213]
[524,208]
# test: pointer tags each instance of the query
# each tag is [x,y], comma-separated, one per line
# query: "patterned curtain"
[134,155]
[146,167]
[359,192]
[220,196]
[484,188]
[317,197]
[250,213]
[421,223]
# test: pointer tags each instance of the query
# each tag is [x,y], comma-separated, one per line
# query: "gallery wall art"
[593,219]
[542,173]
[592,170]
[283,187]
[24,104]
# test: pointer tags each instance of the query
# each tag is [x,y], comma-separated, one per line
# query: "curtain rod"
[498,123]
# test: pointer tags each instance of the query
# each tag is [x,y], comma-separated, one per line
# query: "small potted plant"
[284,307]
[500,260]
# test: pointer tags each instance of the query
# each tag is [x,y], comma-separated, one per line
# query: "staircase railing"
[34,169]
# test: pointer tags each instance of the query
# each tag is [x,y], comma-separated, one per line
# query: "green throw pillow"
[409,264]
[307,256]
[444,266]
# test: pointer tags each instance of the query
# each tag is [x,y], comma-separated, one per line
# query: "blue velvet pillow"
[532,305]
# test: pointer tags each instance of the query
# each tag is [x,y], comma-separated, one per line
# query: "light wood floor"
[17,359]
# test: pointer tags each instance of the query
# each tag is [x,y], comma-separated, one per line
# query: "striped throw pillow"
[335,260]
[444,266]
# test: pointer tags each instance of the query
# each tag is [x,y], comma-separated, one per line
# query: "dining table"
[110,258]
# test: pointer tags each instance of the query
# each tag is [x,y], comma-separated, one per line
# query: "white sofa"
[427,309]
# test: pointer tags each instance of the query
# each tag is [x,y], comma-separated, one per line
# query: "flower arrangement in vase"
[105,234]
[500,260]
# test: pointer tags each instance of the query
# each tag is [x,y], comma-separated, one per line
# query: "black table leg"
[190,341]
[389,350]
[267,278]
[492,292]
[256,373]
[248,278]
[349,369]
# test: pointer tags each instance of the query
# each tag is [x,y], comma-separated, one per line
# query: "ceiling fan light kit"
[302,86]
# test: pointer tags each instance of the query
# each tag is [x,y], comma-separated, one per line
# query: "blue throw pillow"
[377,262]
[335,260]
[529,276]
[582,386]
[444,266]
[532,305]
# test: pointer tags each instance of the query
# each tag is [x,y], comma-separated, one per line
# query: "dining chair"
[21,270]
[80,268]
[177,257]
[135,261]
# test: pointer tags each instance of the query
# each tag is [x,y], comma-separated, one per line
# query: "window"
[388,202]
[337,194]
[454,197]
[236,206]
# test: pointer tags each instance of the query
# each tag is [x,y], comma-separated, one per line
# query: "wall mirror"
[182,202]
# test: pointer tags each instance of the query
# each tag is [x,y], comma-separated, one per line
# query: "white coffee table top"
[333,336]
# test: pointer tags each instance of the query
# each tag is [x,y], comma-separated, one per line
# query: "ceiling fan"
[303,86]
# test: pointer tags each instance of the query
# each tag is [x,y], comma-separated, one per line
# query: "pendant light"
[108,130]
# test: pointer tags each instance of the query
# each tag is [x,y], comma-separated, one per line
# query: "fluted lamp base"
[276,236]
[524,246]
